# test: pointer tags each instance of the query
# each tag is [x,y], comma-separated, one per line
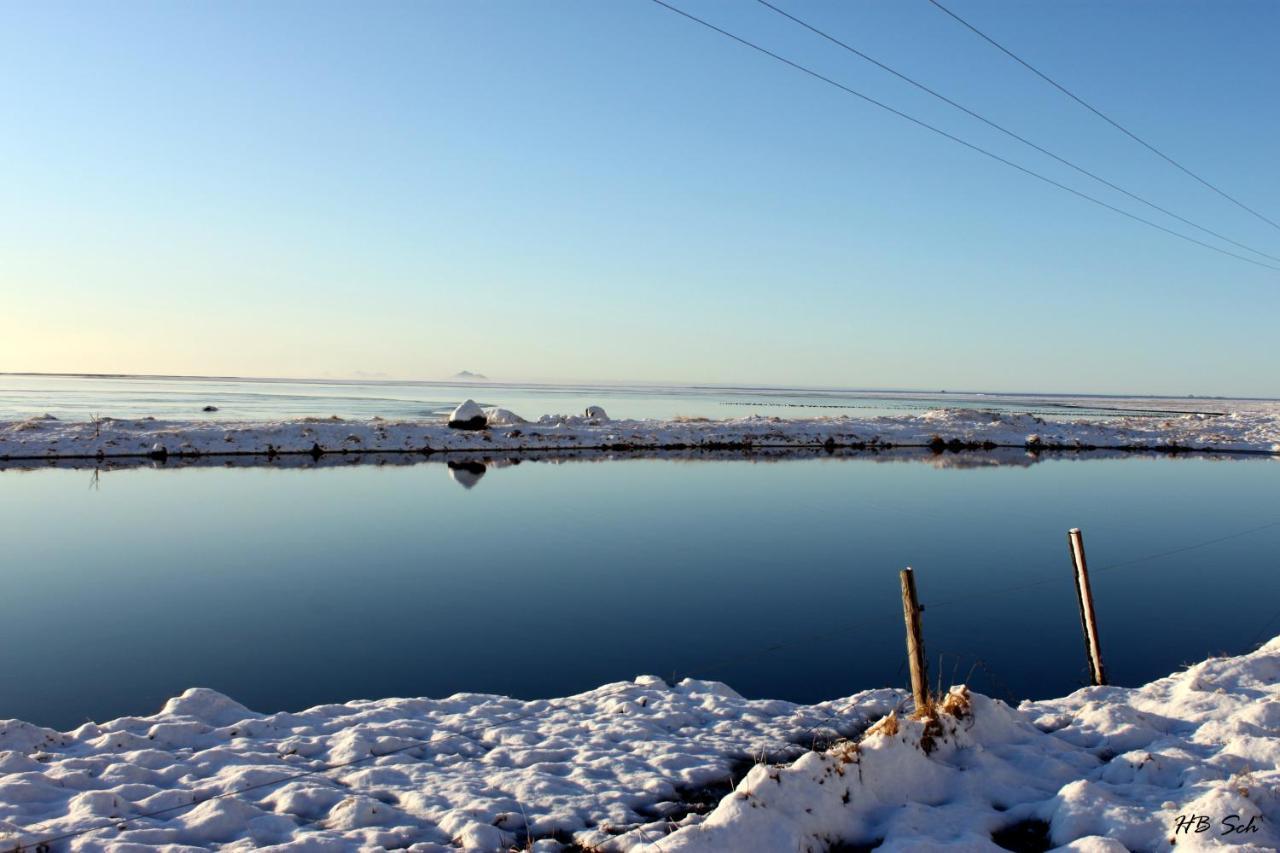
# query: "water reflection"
[370,575]
[466,474]
[466,467]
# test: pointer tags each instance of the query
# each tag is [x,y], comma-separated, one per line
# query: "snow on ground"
[613,757]
[1103,769]
[617,768]
[1255,429]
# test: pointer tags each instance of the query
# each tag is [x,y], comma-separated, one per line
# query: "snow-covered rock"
[468,416]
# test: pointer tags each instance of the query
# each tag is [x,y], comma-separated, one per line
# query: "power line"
[1010,133]
[1082,102]
[957,139]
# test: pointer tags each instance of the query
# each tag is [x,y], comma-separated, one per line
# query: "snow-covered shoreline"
[626,767]
[1245,431]
[1018,457]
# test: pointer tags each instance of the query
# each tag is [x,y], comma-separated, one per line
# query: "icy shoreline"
[1017,457]
[1246,431]
[625,767]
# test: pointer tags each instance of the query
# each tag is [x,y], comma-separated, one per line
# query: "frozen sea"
[79,397]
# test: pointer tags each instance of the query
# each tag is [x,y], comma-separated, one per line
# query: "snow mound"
[207,706]
[497,416]
[950,780]
[1103,769]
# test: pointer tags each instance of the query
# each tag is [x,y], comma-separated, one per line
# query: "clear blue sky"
[602,190]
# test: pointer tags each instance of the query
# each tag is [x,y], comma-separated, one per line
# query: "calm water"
[73,397]
[289,587]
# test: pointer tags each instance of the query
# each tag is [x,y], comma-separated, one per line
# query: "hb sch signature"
[1232,824]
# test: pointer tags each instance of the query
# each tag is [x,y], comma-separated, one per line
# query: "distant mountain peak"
[467,374]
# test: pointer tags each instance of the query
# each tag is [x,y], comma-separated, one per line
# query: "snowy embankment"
[1256,431]
[626,766]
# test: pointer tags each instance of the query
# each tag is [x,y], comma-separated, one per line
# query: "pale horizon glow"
[604,193]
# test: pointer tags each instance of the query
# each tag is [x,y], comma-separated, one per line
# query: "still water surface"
[286,588]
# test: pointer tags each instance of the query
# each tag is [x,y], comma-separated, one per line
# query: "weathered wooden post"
[915,642]
[1084,595]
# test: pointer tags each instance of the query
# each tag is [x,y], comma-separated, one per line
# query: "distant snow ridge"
[469,427]
[618,769]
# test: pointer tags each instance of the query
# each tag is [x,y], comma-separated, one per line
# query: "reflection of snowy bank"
[643,765]
[1255,431]
[940,458]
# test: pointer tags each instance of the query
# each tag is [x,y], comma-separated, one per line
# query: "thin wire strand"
[1006,131]
[1255,641]
[1184,548]
[853,626]
[957,139]
[770,649]
[1091,108]
[1111,566]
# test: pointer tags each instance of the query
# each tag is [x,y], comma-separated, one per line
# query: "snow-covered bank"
[951,459]
[1255,430]
[622,767]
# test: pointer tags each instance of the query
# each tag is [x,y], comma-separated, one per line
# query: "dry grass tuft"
[887,726]
[957,703]
[845,751]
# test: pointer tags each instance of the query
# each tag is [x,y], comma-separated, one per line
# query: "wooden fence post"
[1084,595]
[915,642]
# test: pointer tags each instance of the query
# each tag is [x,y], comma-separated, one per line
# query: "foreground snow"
[623,767]
[1255,429]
